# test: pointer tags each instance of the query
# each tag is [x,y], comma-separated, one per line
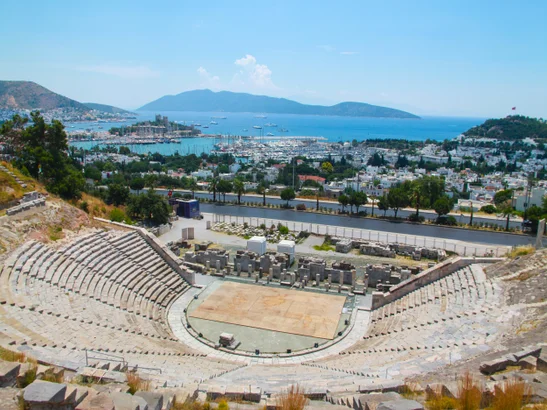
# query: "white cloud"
[349,53]
[122,71]
[327,48]
[252,74]
[208,80]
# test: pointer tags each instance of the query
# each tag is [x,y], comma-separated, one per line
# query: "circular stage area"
[269,319]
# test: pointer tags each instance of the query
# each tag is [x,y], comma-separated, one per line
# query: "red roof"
[312,178]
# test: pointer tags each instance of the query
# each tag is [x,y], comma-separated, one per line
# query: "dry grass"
[293,398]
[469,393]
[135,383]
[11,356]
[441,403]
[520,251]
[410,390]
[512,395]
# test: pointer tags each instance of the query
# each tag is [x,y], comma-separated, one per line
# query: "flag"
[514,108]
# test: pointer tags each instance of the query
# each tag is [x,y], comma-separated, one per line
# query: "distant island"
[21,97]
[510,128]
[226,101]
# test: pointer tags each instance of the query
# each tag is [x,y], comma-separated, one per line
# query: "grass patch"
[326,246]
[294,398]
[11,356]
[520,251]
[56,233]
[441,403]
[135,383]
[512,395]
[469,393]
[524,276]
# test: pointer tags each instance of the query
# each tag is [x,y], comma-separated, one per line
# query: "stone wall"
[424,278]
[165,253]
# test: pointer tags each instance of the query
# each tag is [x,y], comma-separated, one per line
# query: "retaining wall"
[424,278]
[169,257]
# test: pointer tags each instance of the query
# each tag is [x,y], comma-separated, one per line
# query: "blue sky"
[459,58]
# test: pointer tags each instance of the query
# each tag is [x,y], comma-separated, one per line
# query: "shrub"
[283,230]
[416,218]
[441,403]
[223,405]
[292,399]
[520,251]
[446,220]
[117,215]
[263,226]
[489,209]
[28,377]
[11,356]
[469,393]
[135,383]
[84,206]
[301,207]
[512,395]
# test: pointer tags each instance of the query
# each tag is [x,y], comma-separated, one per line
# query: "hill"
[107,108]
[226,101]
[511,128]
[28,95]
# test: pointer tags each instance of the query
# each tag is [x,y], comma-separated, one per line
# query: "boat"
[269,134]
[245,130]
[269,124]
[205,126]
[283,130]
[197,124]
[260,116]
[218,118]
[213,123]
[257,127]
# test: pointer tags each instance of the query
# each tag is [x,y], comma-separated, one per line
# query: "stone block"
[542,361]
[528,363]
[125,401]
[8,373]
[436,390]
[41,394]
[400,405]
[153,399]
[497,365]
[253,394]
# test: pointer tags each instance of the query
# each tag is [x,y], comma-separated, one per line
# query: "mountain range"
[27,95]
[226,101]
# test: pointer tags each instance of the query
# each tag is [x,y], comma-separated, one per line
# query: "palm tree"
[239,189]
[372,201]
[213,188]
[262,190]
[193,187]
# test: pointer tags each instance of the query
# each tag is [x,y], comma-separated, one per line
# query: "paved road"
[484,237]
[515,223]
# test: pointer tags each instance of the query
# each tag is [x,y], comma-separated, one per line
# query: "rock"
[124,401]
[41,393]
[542,361]
[436,390]
[400,405]
[497,365]
[528,363]
[8,373]
[101,401]
[153,399]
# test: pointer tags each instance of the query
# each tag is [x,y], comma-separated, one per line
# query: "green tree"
[507,211]
[397,199]
[137,184]
[327,167]
[442,206]
[287,194]
[358,199]
[224,186]
[213,187]
[262,191]
[117,194]
[150,207]
[193,187]
[92,172]
[124,150]
[239,189]
[383,204]
[41,149]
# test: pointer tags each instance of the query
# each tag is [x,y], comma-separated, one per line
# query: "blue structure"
[187,208]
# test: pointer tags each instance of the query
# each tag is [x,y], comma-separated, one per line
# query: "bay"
[333,128]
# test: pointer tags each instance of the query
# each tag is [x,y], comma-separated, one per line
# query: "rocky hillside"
[28,95]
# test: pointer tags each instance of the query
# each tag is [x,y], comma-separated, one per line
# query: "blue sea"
[330,127]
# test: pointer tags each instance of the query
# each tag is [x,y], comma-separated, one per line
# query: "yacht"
[205,126]
[257,127]
[283,130]
[245,130]
[260,116]
[269,134]
[197,124]
[214,123]
[269,124]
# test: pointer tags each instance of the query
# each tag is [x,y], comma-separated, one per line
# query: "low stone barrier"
[424,278]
